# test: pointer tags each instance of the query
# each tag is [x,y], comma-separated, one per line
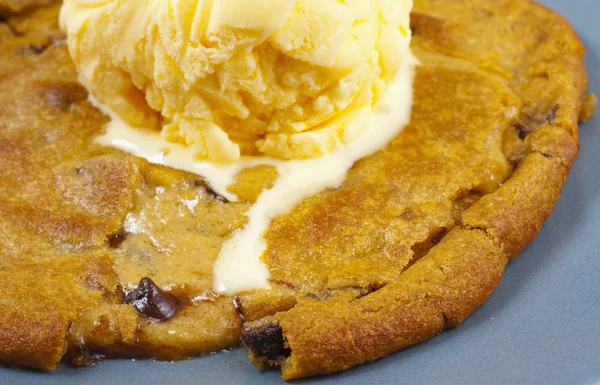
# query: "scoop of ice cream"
[284,78]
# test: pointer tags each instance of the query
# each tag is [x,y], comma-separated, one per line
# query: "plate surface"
[541,326]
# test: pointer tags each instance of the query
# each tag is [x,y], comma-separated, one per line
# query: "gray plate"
[541,326]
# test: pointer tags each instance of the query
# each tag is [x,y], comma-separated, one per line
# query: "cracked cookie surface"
[414,241]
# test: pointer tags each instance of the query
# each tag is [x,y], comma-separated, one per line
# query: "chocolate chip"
[116,240]
[521,130]
[210,191]
[530,122]
[265,339]
[552,114]
[62,94]
[151,302]
[38,49]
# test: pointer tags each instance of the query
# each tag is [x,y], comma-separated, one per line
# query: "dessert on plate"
[323,182]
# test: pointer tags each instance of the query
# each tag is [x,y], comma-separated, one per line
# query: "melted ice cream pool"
[239,266]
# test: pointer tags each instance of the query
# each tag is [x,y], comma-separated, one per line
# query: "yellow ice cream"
[283,78]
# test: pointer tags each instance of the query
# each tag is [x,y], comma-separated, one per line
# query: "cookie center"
[214,88]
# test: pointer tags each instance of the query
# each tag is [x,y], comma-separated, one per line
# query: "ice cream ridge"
[288,79]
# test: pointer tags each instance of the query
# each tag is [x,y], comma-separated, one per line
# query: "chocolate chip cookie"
[103,254]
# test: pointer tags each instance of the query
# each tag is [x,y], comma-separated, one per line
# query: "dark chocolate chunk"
[210,191]
[116,240]
[151,302]
[521,130]
[552,114]
[61,95]
[32,49]
[265,339]
[529,123]
[38,49]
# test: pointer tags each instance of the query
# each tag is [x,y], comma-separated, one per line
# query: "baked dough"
[103,254]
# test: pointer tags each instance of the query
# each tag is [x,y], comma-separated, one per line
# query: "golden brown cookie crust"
[540,58]
[414,241]
[16,6]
